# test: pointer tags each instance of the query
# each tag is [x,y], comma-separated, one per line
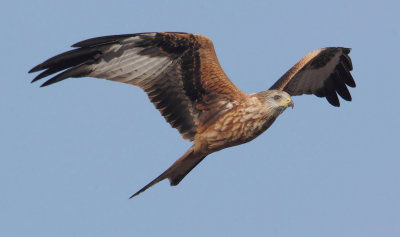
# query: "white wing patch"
[130,67]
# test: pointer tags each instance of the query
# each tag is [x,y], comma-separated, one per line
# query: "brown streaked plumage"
[181,75]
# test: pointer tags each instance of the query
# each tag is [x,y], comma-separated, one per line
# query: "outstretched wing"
[179,72]
[323,72]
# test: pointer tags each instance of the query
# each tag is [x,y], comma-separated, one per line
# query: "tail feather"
[178,170]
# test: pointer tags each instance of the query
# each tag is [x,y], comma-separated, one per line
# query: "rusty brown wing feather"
[179,72]
[324,73]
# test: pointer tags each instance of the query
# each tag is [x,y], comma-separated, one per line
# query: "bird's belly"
[232,130]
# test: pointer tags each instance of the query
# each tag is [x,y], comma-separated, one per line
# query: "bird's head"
[279,100]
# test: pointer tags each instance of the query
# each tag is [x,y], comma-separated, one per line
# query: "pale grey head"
[275,99]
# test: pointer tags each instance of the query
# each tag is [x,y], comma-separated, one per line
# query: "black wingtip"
[40,76]
[59,77]
[35,79]
[332,98]
[346,50]
[45,84]
[110,39]
[36,68]
[336,104]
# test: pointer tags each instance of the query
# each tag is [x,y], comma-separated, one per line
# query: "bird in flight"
[182,77]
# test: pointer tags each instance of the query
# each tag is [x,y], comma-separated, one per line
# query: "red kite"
[181,75]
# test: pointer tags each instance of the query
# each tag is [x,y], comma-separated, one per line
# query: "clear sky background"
[72,153]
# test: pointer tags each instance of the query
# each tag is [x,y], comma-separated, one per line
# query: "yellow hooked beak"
[288,103]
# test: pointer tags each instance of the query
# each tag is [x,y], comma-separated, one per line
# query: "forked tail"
[178,170]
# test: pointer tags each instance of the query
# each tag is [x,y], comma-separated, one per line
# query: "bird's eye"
[277,97]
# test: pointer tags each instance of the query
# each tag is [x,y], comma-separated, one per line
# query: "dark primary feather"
[64,61]
[324,73]
[101,40]
[179,72]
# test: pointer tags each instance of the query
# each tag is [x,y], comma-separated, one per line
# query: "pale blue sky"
[72,153]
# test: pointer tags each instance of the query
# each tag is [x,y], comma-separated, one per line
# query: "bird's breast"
[239,125]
